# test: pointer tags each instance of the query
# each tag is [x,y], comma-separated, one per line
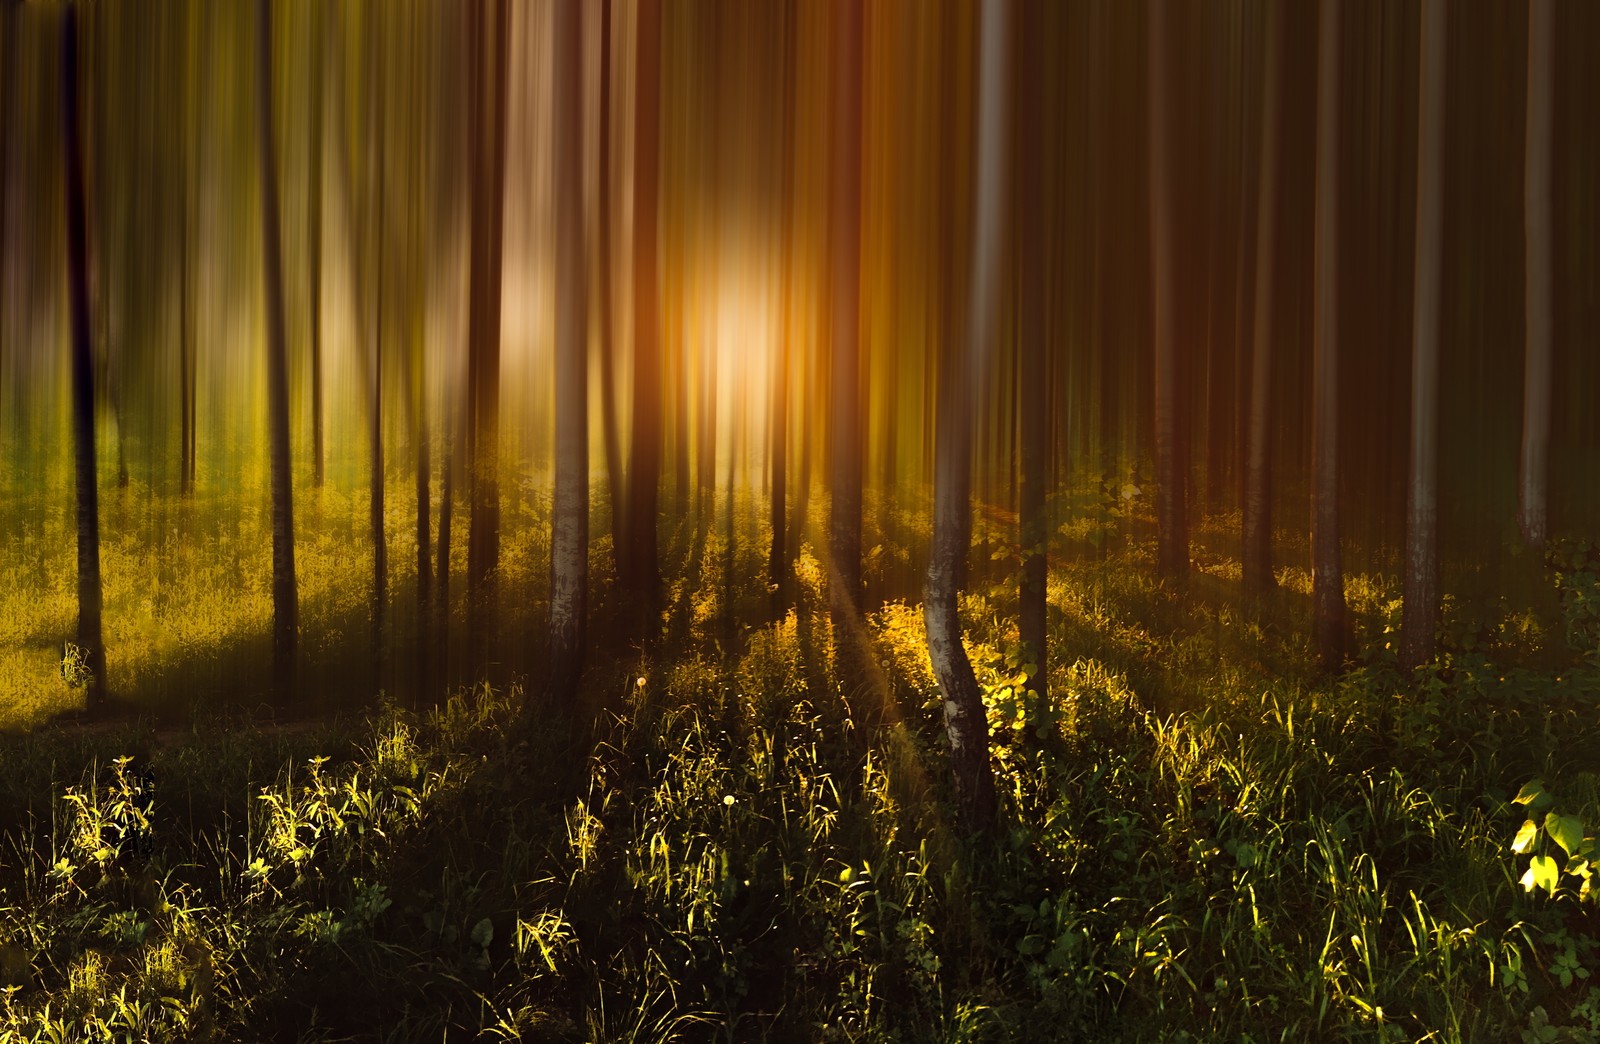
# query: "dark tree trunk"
[966,721]
[285,607]
[844,390]
[608,365]
[89,642]
[1258,576]
[569,549]
[1172,459]
[1032,386]
[380,543]
[1327,570]
[644,464]
[314,235]
[487,141]
[1420,621]
[1538,275]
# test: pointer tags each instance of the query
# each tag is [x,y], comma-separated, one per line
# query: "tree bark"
[314,234]
[1032,385]
[285,607]
[1258,575]
[1538,275]
[569,548]
[380,543]
[644,465]
[615,478]
[90,644]
[1172,458]
[1327,570]
[1420,621]
[844,391]
[966,721]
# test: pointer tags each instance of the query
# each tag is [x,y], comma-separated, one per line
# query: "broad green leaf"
[1533,795]
[1566,831]
[1542,873]
[1525,837]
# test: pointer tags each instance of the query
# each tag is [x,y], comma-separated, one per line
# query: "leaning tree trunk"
[89,590]
[966,721]
[1172,458]
[569,548]
[1033,399]
[1420,622]
[285,608]
[1538,275]
[644,458]
[1327,571]
[844,390]
[1258,577]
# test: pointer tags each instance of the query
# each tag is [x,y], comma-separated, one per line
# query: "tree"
[1032,386]
[1258,577]
[1172,450]
[486,137]
[1538,275]
[314,242]
[778,554]
[285,600]
[90,645]
[965,719]
[607,345]
[844,387]
[1327,570]
[644,457]
[1420,621]
[569,548]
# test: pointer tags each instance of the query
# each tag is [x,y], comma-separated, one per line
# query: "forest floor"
[1199,837]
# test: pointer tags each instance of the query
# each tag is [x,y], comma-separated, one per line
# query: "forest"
[814,520]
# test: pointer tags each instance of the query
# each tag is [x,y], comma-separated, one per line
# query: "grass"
[1199,838]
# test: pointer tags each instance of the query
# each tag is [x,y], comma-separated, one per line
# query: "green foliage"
[1563,851]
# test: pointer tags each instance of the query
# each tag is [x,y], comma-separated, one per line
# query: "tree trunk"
[1258,576]
[965,719]
[285,608]
[487,141]
[1032,385]
[644,464]
[1172,532]
[380,543]
[314,234]
[569,548]
[608,366]
[1420,622]
[90,645]
[1538,275]
[1327,571]
[844,391]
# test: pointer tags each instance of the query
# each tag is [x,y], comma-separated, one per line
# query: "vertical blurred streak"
[644,467]
[778,569]
[603,276]
[569,547]
[1257,537]
[376,69]
[1171,445]
[1327,571]
[844,391]
[88,503]
[285,611]
[1420,621]
[1538,275]
[314,234]
[187,203]
[9,76]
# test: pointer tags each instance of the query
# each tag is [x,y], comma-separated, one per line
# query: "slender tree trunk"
[644,465]
[1327,570]
[285,599]
[844,391]
[1171,446]
[87,478]
[1258,576]
[314,242]
[964,715]
[1420,622]
[1032,385]
[380,543]
[487,137]
[608,366]
[1538,275]
[569,549]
